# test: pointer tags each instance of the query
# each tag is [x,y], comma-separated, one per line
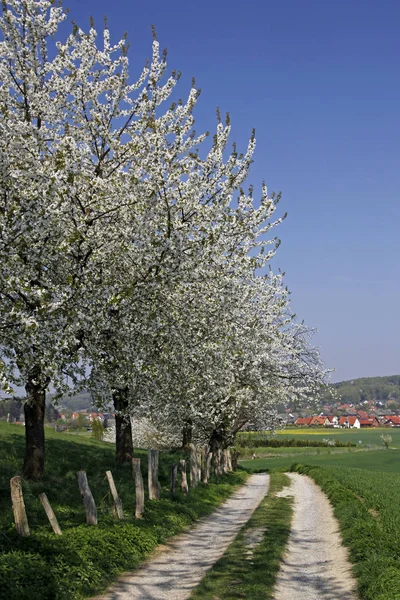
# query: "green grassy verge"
[366,506]
[251,575]
[85,559]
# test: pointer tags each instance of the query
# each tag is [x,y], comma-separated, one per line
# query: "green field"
[369,454]
[374,460]
[84,559]
[368,437]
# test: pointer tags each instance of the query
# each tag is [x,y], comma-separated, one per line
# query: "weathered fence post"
[193,466]
[50,514]
[229,460]
[20,518]
[182,470]
[217,462]
[88,500]
[174,474]
[198,465]
[224,460]
[234,459]
[208,468]
[206,456]
[203,462]
[117,501]
[154,486]
[139,487]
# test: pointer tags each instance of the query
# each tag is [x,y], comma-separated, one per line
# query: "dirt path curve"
[176,571]
[315,566]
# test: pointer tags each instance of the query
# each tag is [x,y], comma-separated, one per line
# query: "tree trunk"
[187,433]
[123,427]
[216,444]
[34,409]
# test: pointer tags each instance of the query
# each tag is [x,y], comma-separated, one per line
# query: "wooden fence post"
[218,462]
[154,486]
[206,463]
[50,514]
[87,497]
[203,461]
[208,468]
[20,518]
[139,488]
[194,480]
[174,475]
[117,500]
[224,461]
[234,459]
[184,483]
[198,465]
[229,460]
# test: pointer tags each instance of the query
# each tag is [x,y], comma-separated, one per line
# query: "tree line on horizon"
[377,389]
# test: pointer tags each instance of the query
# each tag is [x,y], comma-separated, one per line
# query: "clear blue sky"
[319,80]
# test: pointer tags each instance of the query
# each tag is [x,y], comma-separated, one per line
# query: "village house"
[392,421]
[303,421]
[319,421]
[349,422]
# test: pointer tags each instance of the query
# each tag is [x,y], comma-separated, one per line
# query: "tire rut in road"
[315,566]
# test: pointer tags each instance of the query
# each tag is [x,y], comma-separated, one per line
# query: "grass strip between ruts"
[248,569]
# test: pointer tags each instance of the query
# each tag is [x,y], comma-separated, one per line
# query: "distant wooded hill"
[369,388]
[80,401]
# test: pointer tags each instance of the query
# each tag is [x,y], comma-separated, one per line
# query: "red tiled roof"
[303,421]
[394,419]
[362,414]
[369,421]
[318,420]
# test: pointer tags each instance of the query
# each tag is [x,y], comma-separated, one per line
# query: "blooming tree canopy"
[128,243]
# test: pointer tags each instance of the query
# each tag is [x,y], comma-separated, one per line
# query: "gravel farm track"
[315,565]
[178,568]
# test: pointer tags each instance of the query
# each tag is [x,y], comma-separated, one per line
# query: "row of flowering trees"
[132,259]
